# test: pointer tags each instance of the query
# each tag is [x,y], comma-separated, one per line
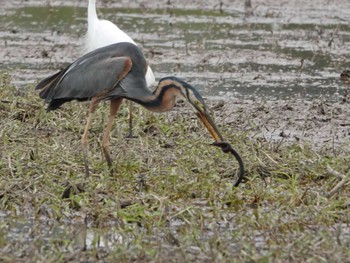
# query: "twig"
[335,173]
[344,181]
[10,167]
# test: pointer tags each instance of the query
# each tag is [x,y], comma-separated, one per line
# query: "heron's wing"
[50,81]
[86,78]
[134,86]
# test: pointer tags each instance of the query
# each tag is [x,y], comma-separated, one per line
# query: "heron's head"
[192,96]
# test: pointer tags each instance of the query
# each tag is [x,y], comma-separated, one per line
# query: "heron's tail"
[48,84]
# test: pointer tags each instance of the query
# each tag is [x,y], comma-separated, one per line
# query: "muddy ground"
[278,63]
[322,125]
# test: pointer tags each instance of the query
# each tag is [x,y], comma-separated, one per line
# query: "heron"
[114,73]
[103,33]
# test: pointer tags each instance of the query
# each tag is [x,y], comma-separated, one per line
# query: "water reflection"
[23,235]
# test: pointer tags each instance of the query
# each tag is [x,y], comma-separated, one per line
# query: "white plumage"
[103,33]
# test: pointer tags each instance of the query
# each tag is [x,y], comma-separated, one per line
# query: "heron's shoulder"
[128,49]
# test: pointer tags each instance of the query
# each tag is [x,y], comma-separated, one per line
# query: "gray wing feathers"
[135,87]
[89,77]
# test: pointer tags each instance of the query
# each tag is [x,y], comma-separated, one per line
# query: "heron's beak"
[209,124]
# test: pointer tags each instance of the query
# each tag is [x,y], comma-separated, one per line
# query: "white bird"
[103,33]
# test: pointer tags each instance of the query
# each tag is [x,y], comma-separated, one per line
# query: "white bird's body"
[103,33]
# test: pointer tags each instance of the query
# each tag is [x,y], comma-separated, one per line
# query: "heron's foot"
[108,160]
[86,163]
[130,135]
[110,164]
[111,168]
[87,171]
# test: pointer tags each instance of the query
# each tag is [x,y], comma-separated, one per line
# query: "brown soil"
[324,126]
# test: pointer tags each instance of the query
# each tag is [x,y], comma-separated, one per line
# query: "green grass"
[170,198]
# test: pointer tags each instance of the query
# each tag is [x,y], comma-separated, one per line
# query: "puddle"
[29,234]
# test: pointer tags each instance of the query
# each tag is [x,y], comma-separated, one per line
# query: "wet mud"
[289,53]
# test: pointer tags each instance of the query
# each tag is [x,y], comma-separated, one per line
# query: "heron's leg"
[84,139]
[130,119]
[115,104]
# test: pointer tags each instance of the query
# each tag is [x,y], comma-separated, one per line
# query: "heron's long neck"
[92,15]
[163,98]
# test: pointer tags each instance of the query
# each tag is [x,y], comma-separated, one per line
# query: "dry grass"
[170,199]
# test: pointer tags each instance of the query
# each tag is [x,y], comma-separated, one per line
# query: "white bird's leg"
[114,107]
[130,119]
[84,139]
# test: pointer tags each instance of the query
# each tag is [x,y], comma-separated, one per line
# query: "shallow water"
[30,235]
[277,52]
